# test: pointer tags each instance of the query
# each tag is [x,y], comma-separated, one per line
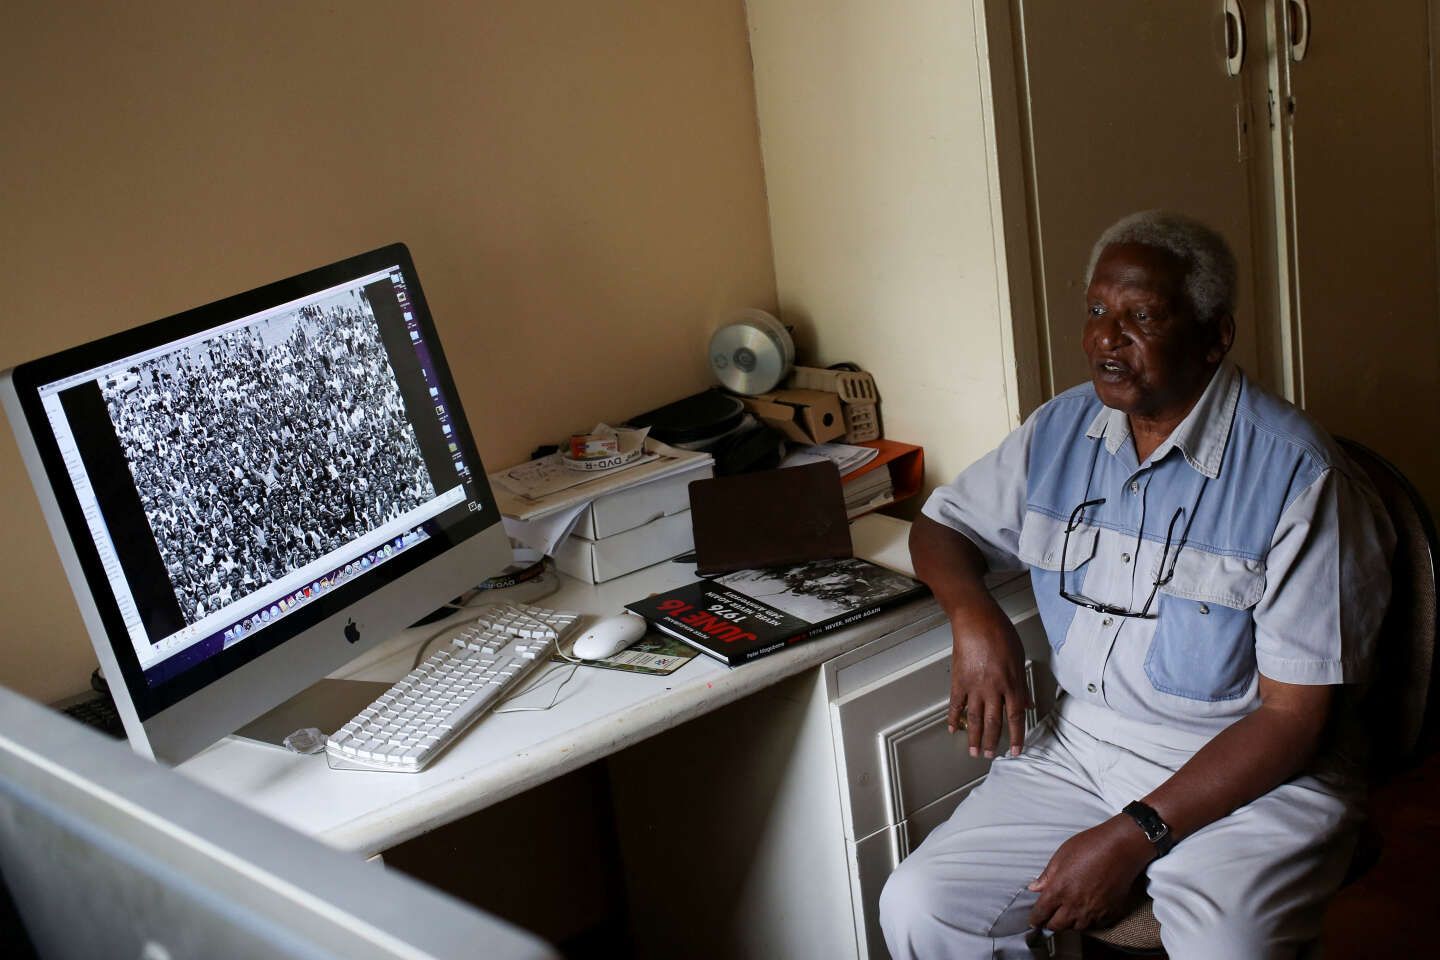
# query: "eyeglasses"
[1161,579]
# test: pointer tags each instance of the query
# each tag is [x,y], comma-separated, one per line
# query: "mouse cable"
[555,695]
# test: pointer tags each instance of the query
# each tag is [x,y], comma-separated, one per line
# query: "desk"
[812,812]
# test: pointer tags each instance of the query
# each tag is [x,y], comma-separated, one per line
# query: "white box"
[596,561]
[636,506]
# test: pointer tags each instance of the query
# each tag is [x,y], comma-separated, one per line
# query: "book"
[747,614]
[874,489]
[847,457]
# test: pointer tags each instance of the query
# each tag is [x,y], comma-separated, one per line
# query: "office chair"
[1403,689]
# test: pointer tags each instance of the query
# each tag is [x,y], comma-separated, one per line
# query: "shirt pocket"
[1043,544]
[1203,647]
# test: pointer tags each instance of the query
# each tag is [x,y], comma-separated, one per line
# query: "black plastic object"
[759,448]
[439,613]
[98,711]
[696,418]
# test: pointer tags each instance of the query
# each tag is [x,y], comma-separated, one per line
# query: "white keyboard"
[431,706]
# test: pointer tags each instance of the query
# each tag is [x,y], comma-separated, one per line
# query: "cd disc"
[752,354]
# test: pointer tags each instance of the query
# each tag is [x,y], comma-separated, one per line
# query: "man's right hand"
[987,669]
[987,678]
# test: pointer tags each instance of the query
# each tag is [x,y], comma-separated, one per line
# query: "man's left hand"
[1088,880]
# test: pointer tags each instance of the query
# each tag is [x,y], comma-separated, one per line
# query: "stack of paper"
[868,491]
[865,492]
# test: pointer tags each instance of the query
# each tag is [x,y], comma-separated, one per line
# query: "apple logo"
[352,632]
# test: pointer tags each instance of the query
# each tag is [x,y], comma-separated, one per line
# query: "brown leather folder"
[769,518]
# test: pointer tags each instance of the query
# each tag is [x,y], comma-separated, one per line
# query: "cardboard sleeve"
[804,416]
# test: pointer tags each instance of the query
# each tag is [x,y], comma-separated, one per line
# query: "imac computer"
[103,854]
[247,495]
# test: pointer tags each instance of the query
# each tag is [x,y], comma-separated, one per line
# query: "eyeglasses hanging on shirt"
[1161,578]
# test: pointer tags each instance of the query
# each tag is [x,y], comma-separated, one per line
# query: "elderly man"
[1209,569]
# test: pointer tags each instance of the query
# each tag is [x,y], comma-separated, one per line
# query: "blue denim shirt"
[1277,563]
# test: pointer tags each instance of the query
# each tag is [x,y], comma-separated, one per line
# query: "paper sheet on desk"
[655,653]
[545,533]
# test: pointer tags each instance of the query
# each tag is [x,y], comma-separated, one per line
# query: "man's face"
[1148,354]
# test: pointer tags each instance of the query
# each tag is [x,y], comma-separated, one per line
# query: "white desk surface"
[600,712]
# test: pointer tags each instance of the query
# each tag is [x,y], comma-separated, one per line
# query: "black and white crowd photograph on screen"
[267,447]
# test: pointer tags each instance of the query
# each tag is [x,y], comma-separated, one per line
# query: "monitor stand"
[327,705]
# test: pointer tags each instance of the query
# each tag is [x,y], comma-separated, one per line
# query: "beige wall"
[879,164]
[580,185]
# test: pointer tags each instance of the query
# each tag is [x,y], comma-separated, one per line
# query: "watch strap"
[1157,831]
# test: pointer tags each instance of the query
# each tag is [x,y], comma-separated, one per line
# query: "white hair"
[1209,264]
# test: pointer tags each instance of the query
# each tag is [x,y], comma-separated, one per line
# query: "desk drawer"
[895,753]
[919,824]
[877,856]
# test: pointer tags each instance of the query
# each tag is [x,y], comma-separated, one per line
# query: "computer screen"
[103,854]
[248,494]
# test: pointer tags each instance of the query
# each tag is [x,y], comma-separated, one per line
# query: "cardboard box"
[596,561]
[862,422]
[805,416]
[853,386]
[636,506]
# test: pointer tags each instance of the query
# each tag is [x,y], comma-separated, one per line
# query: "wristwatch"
[1157,831]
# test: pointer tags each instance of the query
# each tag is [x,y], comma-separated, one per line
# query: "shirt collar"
[1111,424]
[1201,437]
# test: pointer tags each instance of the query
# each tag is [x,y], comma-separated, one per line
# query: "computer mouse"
[609,636]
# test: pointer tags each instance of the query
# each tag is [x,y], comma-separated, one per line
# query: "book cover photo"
[744,615]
